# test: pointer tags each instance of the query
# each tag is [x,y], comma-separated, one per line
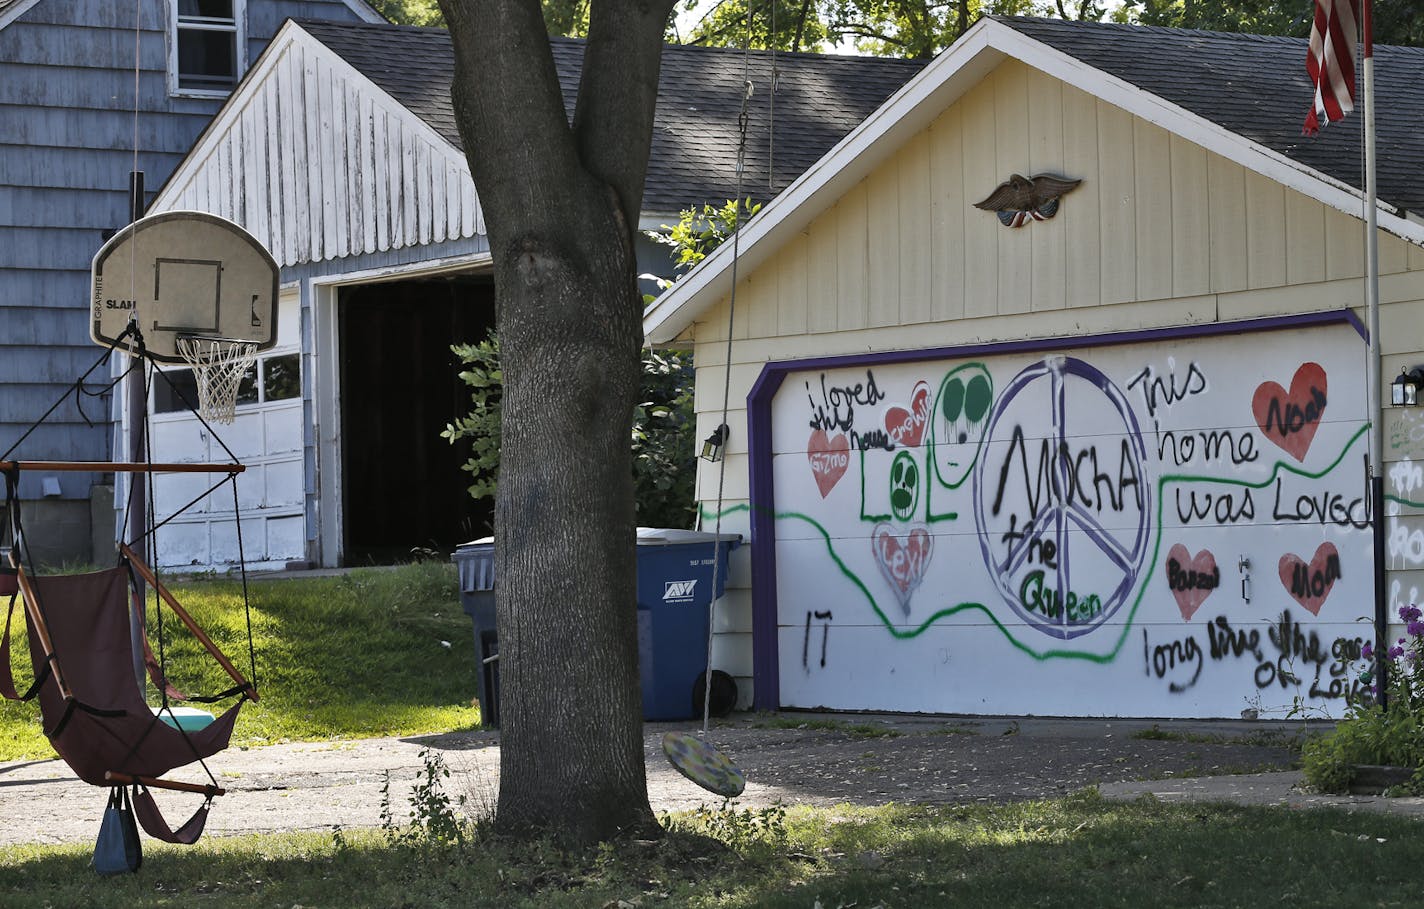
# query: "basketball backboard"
[184,273]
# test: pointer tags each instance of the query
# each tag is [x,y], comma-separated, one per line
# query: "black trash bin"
[475,562]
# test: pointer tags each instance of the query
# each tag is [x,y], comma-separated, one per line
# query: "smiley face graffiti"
[904,486]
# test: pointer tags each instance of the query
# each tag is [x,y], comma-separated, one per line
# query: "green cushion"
[188,719]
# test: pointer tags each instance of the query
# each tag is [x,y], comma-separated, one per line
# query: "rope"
[246,603]
[149,544]
[771,111]
[742,120]
[76,388]
[142,362]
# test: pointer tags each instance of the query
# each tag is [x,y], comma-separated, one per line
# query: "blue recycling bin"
[675,587]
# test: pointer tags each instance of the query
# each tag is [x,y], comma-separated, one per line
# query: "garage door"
[266,436]
[1175,527]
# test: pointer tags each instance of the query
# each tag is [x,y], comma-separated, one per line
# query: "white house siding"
[319,164]
[1161,234]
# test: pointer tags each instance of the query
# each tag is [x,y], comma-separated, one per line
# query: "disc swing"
[212,304]
[694,756]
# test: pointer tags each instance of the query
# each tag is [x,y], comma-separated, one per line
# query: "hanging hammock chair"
[94,714]
[82,637]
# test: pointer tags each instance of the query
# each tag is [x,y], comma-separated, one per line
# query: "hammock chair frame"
[35,614]
[48,662]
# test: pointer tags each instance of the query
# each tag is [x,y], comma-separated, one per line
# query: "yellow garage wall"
[1156,218]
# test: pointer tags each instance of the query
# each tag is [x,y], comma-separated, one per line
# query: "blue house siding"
[66,137]
[67,130]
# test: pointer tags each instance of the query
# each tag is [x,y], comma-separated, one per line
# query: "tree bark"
[561,203]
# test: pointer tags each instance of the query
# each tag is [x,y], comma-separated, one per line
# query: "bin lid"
[669,536]
[476,564]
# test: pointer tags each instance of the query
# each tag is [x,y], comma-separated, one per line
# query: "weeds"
[1080,850]
[742,830]
[433,820]
[1260,738]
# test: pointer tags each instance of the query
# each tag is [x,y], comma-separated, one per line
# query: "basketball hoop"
[219,365]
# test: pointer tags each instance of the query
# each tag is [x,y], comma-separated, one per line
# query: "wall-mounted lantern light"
[1404,390]
[712,447]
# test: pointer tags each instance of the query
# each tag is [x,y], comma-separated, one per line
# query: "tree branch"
[800,25]
[613,121]
[508,102]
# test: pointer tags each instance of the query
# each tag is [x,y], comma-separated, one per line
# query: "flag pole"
[1375,359]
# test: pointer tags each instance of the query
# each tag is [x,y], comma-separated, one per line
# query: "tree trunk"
[571,714]
[561,203]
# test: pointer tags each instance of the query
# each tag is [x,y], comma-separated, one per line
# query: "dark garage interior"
[403,489]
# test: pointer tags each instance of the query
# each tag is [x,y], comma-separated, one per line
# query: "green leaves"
[411,12]
[699,231]
[1395,21]
[481,426]
[664,467]
[663,423]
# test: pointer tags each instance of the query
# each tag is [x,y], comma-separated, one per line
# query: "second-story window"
[207,46]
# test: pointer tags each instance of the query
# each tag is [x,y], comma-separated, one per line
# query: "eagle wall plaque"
[1020,199]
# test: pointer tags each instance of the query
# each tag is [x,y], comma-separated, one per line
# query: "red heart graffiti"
[902,559]
[1192,579]
[907,427]
[1291,419]
[829,459]
[1311,584]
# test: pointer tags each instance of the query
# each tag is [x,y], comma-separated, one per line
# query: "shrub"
[1375,730]
[662,439]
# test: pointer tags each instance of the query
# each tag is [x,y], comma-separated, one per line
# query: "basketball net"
[219,365]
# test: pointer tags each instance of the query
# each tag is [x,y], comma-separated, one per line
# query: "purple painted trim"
[1360,328]
[766,674]
[766,657]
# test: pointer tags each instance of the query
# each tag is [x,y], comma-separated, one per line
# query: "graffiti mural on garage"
[1153,529]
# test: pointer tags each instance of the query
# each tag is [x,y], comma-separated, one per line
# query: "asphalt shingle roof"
[819,98]
[1256,86]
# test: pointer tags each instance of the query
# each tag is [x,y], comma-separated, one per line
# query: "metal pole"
[135,407]
[1375,388]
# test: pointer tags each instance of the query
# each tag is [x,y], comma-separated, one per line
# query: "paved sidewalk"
[1283,788]
[813,759]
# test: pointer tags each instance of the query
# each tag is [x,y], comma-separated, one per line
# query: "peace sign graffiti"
[1061,497]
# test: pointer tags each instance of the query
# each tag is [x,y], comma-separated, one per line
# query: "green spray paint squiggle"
[1057,653]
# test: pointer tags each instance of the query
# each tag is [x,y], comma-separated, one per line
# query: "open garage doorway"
[402,486]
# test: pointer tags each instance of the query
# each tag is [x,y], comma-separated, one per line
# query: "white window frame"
[236,26]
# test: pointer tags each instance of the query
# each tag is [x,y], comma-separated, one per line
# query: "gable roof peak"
[1247,107]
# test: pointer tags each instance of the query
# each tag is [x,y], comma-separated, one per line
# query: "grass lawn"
[351,656]
[361,655]
[1078,851]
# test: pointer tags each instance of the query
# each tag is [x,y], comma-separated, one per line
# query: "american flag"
[1331,61]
